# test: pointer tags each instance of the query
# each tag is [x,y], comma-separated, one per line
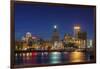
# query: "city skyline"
[40,19]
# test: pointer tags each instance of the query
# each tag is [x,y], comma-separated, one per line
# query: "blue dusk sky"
[39,19]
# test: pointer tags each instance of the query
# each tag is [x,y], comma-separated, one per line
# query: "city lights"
[76,27]
[55,26]
[72,45]
[69,42]
[51,34]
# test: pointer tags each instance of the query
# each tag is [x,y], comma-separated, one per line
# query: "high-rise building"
[77,29]
[89,43]
[55,36]
[82,36]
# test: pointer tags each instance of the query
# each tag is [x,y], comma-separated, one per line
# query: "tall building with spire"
[56,42]
[55,36]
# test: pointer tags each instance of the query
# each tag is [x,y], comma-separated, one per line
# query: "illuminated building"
[67,38]
[30,42]
[82,36]
[28,34]
[89,43]
[19,45]
[55,36]
[23,38]
[77,29]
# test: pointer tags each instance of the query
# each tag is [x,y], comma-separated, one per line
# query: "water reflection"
[55,57]
[77,57]
[51,57]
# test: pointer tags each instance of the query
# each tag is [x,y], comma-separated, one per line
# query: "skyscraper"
[77,29]
[82,36]
[55,36]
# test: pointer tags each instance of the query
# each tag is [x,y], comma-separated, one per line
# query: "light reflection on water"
[55,57]
[51,57]
[77,57]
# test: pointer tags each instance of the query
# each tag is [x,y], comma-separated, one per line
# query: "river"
[34,58]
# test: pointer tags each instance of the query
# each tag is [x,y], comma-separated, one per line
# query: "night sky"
[39,19]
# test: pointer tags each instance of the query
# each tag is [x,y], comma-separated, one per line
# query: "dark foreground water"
[51,57]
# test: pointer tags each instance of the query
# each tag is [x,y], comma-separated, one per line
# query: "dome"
[28,34]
